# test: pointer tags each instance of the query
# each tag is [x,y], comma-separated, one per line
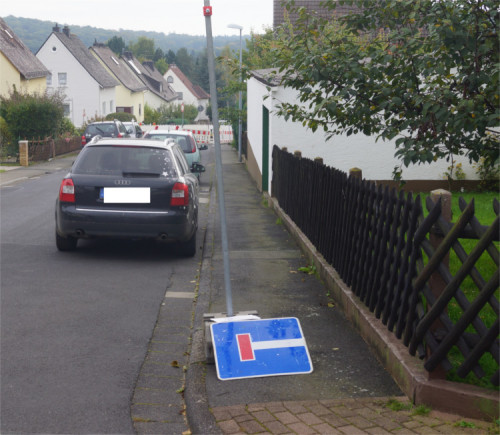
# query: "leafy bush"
[121,116]
[151,116]
[32,116]
[7,146]
[489,173]
[172,114]
[67,128]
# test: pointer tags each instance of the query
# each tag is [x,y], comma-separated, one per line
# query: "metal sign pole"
[207,12]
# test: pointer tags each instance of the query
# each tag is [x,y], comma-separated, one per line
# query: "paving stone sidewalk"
[344,416]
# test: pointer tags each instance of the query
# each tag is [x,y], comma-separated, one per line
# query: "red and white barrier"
[204,134]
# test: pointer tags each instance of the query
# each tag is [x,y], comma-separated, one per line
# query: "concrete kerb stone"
[407,371]
[200,419]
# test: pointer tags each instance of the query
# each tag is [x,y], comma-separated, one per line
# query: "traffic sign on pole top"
[257,348]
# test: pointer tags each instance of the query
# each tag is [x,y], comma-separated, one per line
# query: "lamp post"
[240,28]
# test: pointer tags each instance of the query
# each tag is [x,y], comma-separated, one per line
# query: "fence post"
[23,153]
[298,154]
[319,160]
[436,282]
[356,173]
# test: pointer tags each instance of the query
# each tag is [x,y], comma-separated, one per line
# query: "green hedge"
[121,116]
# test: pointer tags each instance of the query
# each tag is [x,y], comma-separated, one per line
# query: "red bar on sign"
[245,347]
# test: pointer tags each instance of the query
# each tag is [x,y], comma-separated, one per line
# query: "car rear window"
[106,130]
[182,140]
[125,161]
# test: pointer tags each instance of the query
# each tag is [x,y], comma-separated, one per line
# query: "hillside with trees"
[34,33]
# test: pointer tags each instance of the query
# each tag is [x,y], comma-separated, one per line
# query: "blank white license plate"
[127,195]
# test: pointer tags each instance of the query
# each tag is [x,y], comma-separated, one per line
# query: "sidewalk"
[9,175]
[348,391]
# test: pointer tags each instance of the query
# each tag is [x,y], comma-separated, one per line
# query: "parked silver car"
[185,139]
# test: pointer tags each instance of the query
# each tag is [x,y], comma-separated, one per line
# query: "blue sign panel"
[255,348]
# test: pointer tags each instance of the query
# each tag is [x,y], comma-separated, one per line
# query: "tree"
[170,57]
[161,65]
[143,49]
[116,44]
[259,53]
[200,73]
[184,61]
[423,72]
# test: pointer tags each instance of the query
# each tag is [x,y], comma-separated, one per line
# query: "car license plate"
[126,195]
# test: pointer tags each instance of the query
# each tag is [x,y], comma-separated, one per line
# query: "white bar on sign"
[127,195]
[275,344]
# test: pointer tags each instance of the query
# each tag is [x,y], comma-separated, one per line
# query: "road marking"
[14,180]
[179,295]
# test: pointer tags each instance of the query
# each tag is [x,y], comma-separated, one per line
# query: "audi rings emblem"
[123,182]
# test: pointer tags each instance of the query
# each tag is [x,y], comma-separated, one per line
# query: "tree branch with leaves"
[422,72]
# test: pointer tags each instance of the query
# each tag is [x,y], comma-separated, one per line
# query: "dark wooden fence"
[381,245]
[45,149]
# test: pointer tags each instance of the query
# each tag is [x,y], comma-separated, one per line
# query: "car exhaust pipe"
[163,236]
[80,233]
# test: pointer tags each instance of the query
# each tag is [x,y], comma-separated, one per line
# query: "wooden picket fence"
[44,149]
[384,249]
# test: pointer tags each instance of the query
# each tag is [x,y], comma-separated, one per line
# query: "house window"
[49,79]
[170,79]
[62,79]
[111,106]
[66,109]
[140,110]
[104,107]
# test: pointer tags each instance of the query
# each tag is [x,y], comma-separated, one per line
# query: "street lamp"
[240,28]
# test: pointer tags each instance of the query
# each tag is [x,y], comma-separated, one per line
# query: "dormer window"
[170,79]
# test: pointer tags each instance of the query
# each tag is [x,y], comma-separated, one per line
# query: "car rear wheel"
[66,243]
[188,249]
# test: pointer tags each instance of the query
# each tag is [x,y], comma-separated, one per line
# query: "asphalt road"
[75,326]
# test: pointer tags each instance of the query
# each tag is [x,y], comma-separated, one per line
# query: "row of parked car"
[129,184]
[119,129]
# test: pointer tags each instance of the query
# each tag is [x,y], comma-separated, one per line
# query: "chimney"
[149,64]
[56,29]
[66,31]
[127,55]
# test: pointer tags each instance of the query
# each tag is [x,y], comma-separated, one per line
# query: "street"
[76,326]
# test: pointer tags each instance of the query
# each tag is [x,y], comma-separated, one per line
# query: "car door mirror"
[197,168]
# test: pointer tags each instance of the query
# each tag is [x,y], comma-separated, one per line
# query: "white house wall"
[375,158]
[153,100]
[179,86]
[82,92]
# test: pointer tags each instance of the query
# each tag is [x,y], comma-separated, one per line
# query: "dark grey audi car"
[129,188]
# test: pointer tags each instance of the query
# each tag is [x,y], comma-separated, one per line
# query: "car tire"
[188,249]
[66,243]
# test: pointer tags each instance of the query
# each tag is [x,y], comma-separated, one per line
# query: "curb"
[200,419]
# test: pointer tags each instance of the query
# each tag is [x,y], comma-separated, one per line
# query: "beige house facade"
[19,67]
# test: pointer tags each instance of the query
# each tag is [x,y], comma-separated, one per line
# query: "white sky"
[167,16]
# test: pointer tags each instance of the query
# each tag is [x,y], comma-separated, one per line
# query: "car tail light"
[84,140]
[120,135]
[67,191]
[193,143]
[180,194]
